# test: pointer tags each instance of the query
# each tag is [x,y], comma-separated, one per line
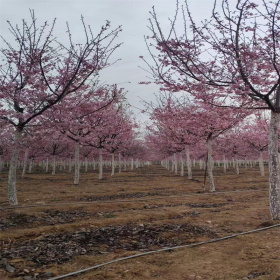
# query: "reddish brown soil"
[68,228]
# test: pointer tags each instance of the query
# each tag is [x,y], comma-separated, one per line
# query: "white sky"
[131,14]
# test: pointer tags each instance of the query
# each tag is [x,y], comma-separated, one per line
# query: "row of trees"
[229,66]
[52,152]
[51,98]
[108,130]
[230,60]
[184,132]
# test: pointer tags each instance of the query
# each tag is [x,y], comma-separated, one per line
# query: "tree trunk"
[30,165]
[261,164]
[100,176]
[175,165]
[200,164]
[53,165]
[70,166]
[120,163]
[225,164]
[86,164]
[182,166]
[189,163]
[237,167]
[113,164]
[47,165]
[1,164]
[210,164]
[25,163]
[131,164]
[77,164]
[12,191]
[246,163]
[274,168]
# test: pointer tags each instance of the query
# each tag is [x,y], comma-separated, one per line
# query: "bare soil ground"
[68,228]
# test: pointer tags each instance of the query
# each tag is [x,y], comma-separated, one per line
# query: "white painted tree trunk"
[120,163]
[25,163]
[113,165]
[77,164]
[246,163]
[47,165]
[274,167]
[200,164]
[189,163]
[100,176]
[86,164]
[182,166]
[237,167]
[1,164]
[53,165]
[210,165]
[12,177]
[225,164]
[175,164]
[261,164]
[70,166]
[30,165]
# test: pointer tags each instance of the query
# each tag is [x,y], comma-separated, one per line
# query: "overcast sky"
[133,15]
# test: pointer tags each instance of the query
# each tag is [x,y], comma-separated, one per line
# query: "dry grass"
[153,198]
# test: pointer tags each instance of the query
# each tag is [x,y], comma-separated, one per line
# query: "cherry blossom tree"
[233,56]
[119,135]
[38,72]
[52,144]
[185,124]
[233,146]
[113,132]
[256,136]
[85,116]
[6,141]
[170,129]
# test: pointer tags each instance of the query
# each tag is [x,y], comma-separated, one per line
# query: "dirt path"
[69,228]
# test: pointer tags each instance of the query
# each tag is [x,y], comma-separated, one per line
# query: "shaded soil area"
[51,217]
[64,227]
[59,248]
[54,217]
[119,196]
